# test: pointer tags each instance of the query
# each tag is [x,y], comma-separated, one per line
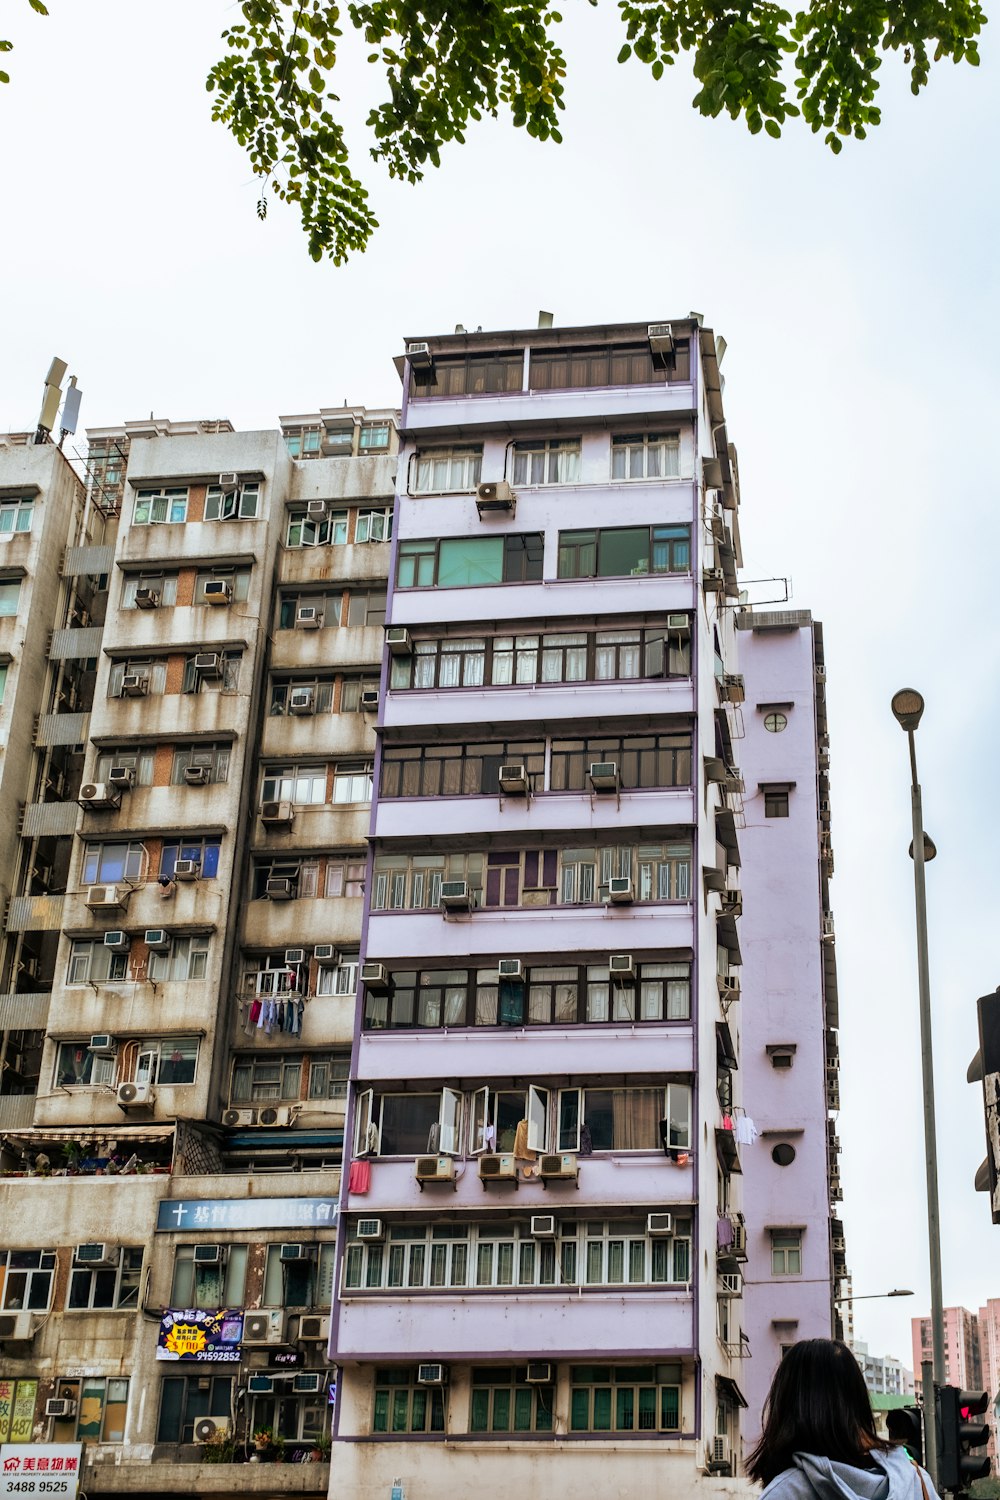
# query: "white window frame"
[448,470]
[374,524]
[20,508]
[555,454]
[188,951]
[174,507]
[242,505]
[666,444]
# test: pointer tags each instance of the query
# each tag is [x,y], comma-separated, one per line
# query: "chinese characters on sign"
[246,1213]
[195,1334]
[17,1410]
[40,1469]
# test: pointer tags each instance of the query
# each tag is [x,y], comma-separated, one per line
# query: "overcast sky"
[859,299]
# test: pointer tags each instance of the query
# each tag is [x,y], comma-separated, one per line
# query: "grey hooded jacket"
[895,1477]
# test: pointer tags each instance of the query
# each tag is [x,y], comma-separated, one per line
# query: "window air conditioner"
[661,338]
[732,903]
[117,941]
[97,794]
[208,664]
[720,1456]
[107,897]
[187,869]
[495,497]
[731,1284]
[397,638]
[197,775]
[371,1229]
[510,968]
[280,888]
[95,1253]
[620,891]
[278,814]
[678,622]
[121,777]
[207,1429]
[621,966]
[456,895]
[232,1118]
[273,1114]
[307,1382]
[497,1169]
[18,1327]
[263,1327]
[375,976]
[135,1095]
[60,1407]
[301,701]
[659,1224]
[316,509]
[733,687]
[147,598]
[207,1255]
[102,1045]
[543,1226]
[554,1168]
[291,1252]
[539,1373]
[432,1374]
[295,956]
[134,685]
[325,953]
[420,356]
[157,939]
[713,580]
[514,780]
[308,617]
[314,1329]
[828,930]
[604,776]
[217,591]
[435,1169]
[260,1385]
[369,700]
[229,483]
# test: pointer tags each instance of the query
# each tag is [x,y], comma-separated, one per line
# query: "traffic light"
[985,1068]
[957,1467]
[905,1424]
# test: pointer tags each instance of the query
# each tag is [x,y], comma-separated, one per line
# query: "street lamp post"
[907,709]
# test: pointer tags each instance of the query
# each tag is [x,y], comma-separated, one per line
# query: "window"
[374,437]
[625,1119]
[329,606]
[781,1054]
[469,374]
[10,593]
[475,561]
[353,782]
[624,551]
[101,1404]
[138,759]
[306,531]
[15,515]
[304,785]
[366,608]
[554,462]
[409,1124]
[299,1283]
[640,1398]
[224,678]
[374,525]
[185,1399]
[775,721]
[340,978]
[783,1154]
[262,1080]
[503,1401]
[78,1067]
[27,1283]
[302,876]
[269,974]
[653,760]
[3,680]
[345,877]
[646,456]
[328,1075]
[211,758]
[786,1252]
[292,1419]
[401,1405]
[116,1285]
[209,1284]
[205,852]
[238,580]
[622,364]
[457,770]
[168,1060]
[186,959]
[110,863]
[163,585]
[154,506]
[441,470]
[320,689]
[240,505]
[775,802]
[152,672]
[351,690]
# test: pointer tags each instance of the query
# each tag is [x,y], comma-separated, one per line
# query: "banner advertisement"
[40,1469]
[200,1335]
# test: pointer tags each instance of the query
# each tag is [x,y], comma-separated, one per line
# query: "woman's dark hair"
[818,1403]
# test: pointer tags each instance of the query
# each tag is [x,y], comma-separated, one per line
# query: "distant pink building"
[989,1358]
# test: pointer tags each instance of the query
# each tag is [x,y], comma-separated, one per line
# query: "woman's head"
[818,1403]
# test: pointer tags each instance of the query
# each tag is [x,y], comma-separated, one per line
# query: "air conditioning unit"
[554,1168]
[829,933]
[102,1044]
[99,794]
[117,941]
[730,1284]
[739,1243]
[398,640]
[135,1096]
[732,903]
[207,1255]
[308,617]
[157,939]
[543,1226]
[263,1327]
[187,869]
[733,687]
[208,664]
[236,1117]
[208,1429]
[620,891]
[60,1407]
[297,1252]
[621,966]
[295,956]
[314,1329]
[302,700]
[369,700]
[661,338]
[515,781]
[307,1383]
[134,685]
[277,814]
[280,888]
[217,591]
[604,776]
[720,1457]
[493,496]
[272,1114]
[420,356]
[375,976]
[435,1169]
[197,775]
[432,1374]
[678,622]
[18,1327]
[539,1373]
[325,953]
[95,1254]
[510,968]
[260,1385]
[106,897]
[122,777]
[497,1169]
[147,598]
[456,895]
[316,509]
[229,483]
[371,1229]
[659,1224]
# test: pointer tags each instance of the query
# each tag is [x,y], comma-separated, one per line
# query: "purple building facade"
[545,1222]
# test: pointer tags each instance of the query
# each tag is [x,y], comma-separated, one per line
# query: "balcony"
[334,647]
[231,541]
[443,416]
[62,729]
[548,702]
[49,819]
[88,561]
[28,1011]
[535,1052]
[203,627]
[35,913]
[560,812]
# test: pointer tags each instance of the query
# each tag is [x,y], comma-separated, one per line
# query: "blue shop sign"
[210,1214]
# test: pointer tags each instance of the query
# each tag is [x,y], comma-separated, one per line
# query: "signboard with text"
[246,1213]
[40,1469]
[195,1334]
[17,1410]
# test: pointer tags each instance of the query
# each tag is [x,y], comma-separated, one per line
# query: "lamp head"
[907,708]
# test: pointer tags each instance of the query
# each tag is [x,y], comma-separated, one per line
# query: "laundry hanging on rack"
[745,1130]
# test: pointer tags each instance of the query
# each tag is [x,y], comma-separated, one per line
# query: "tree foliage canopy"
[447,62]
